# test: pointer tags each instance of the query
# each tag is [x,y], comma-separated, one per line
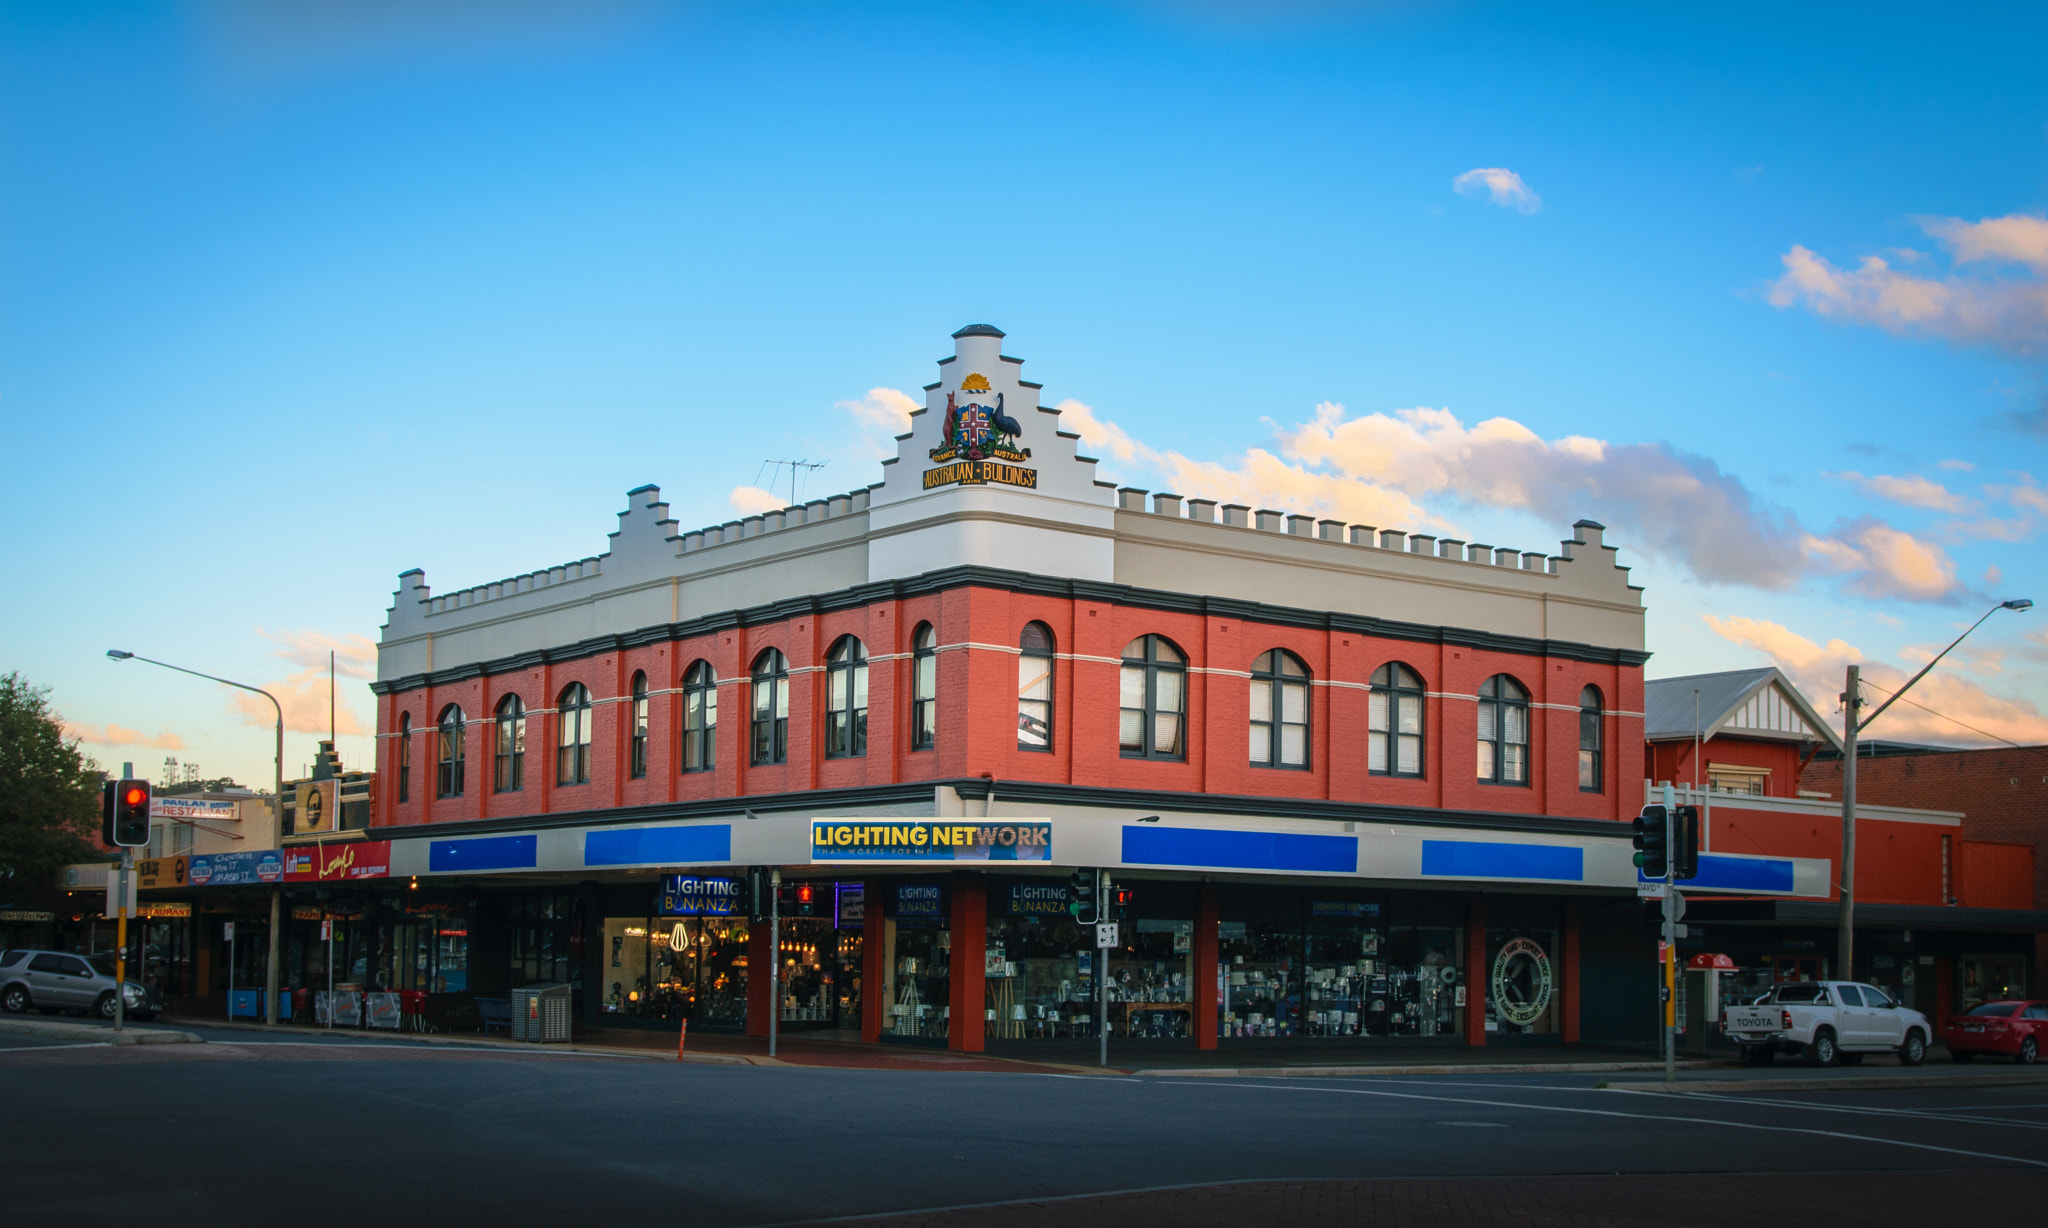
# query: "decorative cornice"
[933,582]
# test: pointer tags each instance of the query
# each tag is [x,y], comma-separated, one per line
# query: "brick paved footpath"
[1863,1199]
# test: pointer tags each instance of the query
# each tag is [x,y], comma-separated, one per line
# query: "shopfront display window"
[1151,980]
[1258,989]
[1035,985]
[1987,978]
[1521,982]
[1333,965]
[917,964]
[810,971]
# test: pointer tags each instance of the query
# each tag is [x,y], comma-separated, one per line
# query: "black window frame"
[1268,671]
[1392,680]
[1152,668]
[846,677]
[1040,656]
[508,760]
[636,762]
[1592,728]
[1503,705]
[574,734]
[768,744]
[924,687]
[700,717]
[405,757]
[450,762]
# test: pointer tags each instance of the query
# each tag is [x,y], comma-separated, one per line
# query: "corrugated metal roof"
[1752,702]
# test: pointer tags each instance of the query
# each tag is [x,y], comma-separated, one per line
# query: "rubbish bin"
[540,1013]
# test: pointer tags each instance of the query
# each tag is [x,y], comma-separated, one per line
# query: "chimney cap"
[979,330]
[1587,524]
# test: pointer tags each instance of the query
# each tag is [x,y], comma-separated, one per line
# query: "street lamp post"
[277,810]
[1852,702]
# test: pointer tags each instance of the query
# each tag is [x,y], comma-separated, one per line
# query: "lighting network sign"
[854,840]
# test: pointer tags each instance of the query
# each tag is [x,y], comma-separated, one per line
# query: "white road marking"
[1863,1111]
[1703,1121]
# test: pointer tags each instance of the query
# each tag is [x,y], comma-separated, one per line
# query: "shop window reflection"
[917,975]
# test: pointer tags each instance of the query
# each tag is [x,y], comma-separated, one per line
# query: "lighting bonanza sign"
[852,840]
[686,895]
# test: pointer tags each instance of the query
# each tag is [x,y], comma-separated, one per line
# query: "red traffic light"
[803,893]
[134,796]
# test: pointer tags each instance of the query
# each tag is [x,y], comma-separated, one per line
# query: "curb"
[88,1034]
[465,1039]
[1863,1083]
[1324,1072]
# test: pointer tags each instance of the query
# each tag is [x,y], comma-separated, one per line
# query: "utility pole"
[1852,725]
[1670,936]
[775,964]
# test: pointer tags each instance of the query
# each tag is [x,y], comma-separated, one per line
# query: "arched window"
[846,699]
[1592,776]
[572,752]
[638,765]
[1279,710]
[1503,732]
[405,757]
[700,718]
[450,778]
[1394,726]
[1153,700]
[1034,688]
[924,687]
[509,774]
[771,708]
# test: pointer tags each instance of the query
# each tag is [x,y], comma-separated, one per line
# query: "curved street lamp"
[276,895]
[1845,924]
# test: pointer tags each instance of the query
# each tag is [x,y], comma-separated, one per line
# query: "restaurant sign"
[154,873]
[855,840]
[327,863]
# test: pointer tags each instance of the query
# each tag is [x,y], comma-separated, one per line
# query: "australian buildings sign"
[978,442]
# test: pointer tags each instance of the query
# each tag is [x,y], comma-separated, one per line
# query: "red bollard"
[682,1036]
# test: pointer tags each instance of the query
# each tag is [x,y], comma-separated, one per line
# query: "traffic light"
[1652,857]
[759,893]
[124,813]
[1120,902]
[798,899]
[1685,850]
[1081,898]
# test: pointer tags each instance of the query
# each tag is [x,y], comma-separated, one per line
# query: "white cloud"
[1911,490]
[2008,311]
[883,414]
[355,656]
[753,501]
[1881,561]
[1504,187]
[1959,466]
[121,735]
[1819,672]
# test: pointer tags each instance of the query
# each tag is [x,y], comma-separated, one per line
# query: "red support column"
[966,1027]
[761,957]
[1207,923]
[1475,973]
[1568,975]
[872,932]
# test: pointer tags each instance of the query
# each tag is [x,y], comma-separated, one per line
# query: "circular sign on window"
[1521,982]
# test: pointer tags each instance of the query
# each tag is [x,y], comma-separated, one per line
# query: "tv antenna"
[796,468]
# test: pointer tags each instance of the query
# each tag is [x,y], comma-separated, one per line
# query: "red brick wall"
[978,715]
[1896,862]
[1674,761]
[1995,875]
[2002,793]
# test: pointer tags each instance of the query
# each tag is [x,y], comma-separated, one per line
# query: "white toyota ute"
[1823,1021]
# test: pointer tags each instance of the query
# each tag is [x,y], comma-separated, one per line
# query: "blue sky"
[294,297]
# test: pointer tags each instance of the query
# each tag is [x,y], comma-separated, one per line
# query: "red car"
[2018,1030]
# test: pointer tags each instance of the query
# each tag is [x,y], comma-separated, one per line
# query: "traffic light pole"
[1102,966]
[774,957]
[1670,935]
[121,937]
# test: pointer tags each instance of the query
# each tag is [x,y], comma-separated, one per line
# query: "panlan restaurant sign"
[978,443]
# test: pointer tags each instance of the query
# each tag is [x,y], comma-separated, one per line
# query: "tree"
[49,793]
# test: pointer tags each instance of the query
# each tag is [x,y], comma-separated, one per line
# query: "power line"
[1953,721]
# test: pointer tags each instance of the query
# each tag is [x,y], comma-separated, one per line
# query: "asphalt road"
[247,1129]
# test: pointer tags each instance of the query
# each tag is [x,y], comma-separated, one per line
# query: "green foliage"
[49,792]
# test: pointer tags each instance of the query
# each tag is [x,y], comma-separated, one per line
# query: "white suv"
[1823,1020]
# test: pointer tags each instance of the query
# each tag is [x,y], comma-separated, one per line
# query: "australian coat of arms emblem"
[977,430]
